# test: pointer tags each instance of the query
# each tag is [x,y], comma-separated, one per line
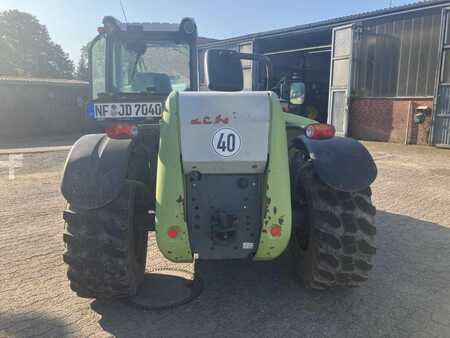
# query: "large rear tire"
[333,232]
[105,249]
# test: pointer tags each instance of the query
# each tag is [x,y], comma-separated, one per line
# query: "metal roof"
[336,21]
[151,26]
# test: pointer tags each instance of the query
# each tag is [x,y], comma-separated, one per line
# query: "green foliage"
[82,72]
[27,50]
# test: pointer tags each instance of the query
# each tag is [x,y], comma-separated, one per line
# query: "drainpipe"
[408,122]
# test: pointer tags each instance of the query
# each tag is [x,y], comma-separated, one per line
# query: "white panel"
[247,77]
[342,42]
[340,75]
[246,48]
[447,29]
[339,99]
[204,114]
[247,65]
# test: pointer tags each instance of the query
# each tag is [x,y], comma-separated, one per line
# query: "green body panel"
[170,193]
[277,201]
[295,125]
[297,120]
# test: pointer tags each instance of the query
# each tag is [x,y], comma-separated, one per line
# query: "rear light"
[100,30]
[275,231]
[122,131]
[172,233]
[320,131]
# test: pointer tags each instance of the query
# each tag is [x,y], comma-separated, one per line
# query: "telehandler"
[221,174]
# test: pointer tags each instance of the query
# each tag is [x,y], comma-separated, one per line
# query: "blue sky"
[73,23]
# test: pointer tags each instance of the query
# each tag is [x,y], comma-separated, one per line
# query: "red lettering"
[219,119]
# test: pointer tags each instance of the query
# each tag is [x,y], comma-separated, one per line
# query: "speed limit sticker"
[226,142]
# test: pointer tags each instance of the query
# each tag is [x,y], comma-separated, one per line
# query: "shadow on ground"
[31,324]
[407,295]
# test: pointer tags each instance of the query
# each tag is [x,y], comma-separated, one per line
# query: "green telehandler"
[221,174]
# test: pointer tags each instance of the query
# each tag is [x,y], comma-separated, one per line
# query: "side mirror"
[223,70]
[297,93]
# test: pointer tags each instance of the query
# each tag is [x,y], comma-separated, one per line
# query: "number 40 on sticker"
[226,142]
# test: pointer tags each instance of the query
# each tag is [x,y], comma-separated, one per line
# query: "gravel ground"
[408,293]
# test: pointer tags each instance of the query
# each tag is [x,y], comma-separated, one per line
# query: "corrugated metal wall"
[442,117]
[397,56]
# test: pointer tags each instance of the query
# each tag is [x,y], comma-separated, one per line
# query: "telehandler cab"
[236,178]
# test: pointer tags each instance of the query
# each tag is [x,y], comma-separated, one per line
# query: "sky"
[74,23]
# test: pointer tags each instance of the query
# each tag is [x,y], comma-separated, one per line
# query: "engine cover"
[224,133]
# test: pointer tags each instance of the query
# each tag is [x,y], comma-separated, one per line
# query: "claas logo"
[210,120]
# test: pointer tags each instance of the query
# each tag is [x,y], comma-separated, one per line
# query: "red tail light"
[122,131]
[172,233]
[275,231]
[320,131]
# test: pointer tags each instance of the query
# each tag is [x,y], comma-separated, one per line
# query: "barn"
[381,75]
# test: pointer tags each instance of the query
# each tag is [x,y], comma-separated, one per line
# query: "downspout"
[408,122]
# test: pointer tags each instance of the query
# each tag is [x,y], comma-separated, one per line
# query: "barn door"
[340,75]
[441,117]
[246,47]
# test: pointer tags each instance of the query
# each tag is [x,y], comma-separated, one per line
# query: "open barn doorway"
[303,58]
[309,67]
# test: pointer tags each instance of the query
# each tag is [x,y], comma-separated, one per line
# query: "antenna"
[390,3]
[123,11]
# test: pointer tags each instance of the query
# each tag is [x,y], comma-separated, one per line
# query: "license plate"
[127,110]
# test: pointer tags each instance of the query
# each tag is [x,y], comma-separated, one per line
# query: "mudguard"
[342,163]
[95,171]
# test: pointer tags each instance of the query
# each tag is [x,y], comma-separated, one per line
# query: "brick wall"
[387,120]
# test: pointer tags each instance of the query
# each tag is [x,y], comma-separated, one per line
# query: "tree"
[82,72]
[27,50]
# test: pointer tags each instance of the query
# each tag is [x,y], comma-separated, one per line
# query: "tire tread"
[341,244]
[98,251]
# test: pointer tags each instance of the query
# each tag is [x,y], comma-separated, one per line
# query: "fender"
[95,171]
[342,163]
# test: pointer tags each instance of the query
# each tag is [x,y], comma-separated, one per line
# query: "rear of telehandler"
[236,178]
